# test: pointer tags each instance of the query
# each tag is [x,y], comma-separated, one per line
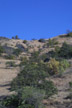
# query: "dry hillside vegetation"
[51,64]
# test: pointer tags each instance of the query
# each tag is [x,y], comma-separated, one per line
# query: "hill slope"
[7,73]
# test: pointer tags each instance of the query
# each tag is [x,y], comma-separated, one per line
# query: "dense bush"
[64,63]
[17,51]
[57,67]
[34,75]
[27,97]
[24,41]
[64,52]
[2,106]
[42,40]
[1,49]
[53,66]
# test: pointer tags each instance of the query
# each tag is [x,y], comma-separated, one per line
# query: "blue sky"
[35,18]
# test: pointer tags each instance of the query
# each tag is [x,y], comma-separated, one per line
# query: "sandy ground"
[6,76]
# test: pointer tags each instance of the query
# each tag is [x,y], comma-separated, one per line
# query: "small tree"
[53,66]
[16,37]
[13,37]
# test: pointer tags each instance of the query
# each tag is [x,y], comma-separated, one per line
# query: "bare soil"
[6,76]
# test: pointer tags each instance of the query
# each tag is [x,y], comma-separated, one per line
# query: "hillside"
[16,51]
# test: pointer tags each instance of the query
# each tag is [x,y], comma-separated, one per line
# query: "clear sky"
[35,18]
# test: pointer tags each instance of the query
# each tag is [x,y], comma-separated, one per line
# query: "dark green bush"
[69,34]
[42,40]
[12,57]
[2,106]
[1,49]
[34,75]
[70,84]
[65,51]
[27,97]
[70,94]
[24,41]
[17,51]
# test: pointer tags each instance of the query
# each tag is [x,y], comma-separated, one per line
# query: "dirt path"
[6,76]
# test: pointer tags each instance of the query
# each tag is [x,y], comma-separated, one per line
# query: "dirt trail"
[6,76]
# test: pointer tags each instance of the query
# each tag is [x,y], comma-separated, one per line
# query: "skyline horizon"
[33,38]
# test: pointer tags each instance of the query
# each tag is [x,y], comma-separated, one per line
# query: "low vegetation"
[11,57]
[1,49]
[51,43]
[10,64]
[27,97]
[24,41]
[42,40]
[64,52]
[17,51]
[32,84]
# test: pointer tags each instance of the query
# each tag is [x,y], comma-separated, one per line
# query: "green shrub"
[35,56]
[64,63]
[17,51]
[34,75]
[65,51]
[2,106]
[16,37]
[24,61]
[57,67]
[69,34]
[27,97]
[12,57]
[42,40]
[11,101]
[51,42]
[70,92]
[31,97]
[53,66]
[1,49]
[57,49]
[70,84]
[24,41]
[10,64]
